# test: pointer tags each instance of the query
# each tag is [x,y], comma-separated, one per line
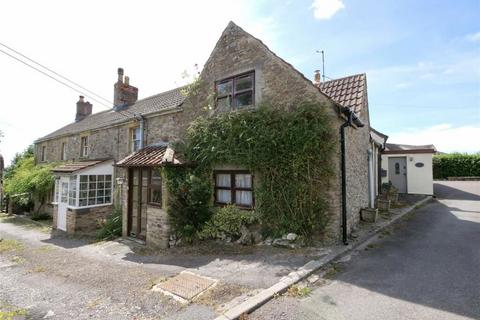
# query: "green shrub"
[40,216]
[112,228]
[456,165]
[227,222]
[189,196]
[291,153]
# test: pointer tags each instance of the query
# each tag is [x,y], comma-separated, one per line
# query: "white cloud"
[325,9]
[473,37]
[445,137]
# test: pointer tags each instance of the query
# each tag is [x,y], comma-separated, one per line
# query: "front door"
[137,202]
[397,173]
[62,204]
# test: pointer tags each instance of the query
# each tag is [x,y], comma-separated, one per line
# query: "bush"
[290,151]
[189,196]
[40,216]
[226,222]
[456,165]
[112,228]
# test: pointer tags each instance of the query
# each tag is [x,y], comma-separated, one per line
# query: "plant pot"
[383,205]
[369,215]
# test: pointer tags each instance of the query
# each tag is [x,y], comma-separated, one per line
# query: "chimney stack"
[317,80]
[124,94]
[84,109]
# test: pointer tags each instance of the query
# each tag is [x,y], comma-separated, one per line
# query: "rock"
[284,237]
[345,258]
[246,237]
[268,241]
[291,237]
[313,278]
[49,314]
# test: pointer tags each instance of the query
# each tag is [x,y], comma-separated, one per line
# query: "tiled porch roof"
[151,156]
[75,166]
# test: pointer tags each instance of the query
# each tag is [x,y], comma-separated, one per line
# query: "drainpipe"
[347,123]
[370,178]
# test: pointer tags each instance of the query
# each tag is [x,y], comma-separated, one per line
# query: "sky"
[422,58]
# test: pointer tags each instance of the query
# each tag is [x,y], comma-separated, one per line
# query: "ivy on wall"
[290,153]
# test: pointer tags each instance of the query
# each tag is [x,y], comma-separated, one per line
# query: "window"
[135,137]
[63,154]
[56,191]
[72,191]
[235,93]
[234,187]
[155,187]
[43,153]
[95,190]
[397,168]
[84,147]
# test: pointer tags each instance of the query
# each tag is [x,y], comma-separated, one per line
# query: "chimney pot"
[81,98]
[317,77]
[127,80]
[120,75]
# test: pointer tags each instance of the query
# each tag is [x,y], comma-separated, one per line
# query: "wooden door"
[137,202]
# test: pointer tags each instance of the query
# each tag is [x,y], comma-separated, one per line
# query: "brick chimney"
[84,109]
[317,80]
[124,94]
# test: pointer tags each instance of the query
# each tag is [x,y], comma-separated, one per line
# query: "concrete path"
[429,268]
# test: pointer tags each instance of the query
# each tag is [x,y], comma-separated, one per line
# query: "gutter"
[352,119]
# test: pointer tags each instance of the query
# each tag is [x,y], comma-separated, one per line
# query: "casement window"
[84,147]
[95,190]
[63,154]
[135,137]
[234,187]
[236,92]
[72,191]
[155,188]
[43,154]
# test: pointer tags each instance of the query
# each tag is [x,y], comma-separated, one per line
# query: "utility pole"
[323,63]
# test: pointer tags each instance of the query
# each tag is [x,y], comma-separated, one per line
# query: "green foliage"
[112,228]
[40,217]
[456,165]
[290,151]
[189,196]
[24,179]
[227,222]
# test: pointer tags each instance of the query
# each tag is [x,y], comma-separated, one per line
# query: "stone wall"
[86,221]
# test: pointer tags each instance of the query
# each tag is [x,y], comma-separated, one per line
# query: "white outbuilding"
[408,167]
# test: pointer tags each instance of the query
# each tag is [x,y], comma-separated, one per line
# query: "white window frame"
[88,190]
[84,147]
[135,139]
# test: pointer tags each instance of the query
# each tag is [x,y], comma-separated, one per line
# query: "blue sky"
[422,58]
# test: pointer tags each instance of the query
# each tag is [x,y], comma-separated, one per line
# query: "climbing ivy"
[289,152]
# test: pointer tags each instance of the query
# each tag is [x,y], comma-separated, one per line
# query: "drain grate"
[185,285]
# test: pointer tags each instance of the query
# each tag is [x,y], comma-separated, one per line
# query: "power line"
[56,73]
[110,104]
[418,106]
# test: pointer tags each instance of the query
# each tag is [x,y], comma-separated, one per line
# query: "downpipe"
[346,124]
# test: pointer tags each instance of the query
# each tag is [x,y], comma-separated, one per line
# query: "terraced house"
[107,157]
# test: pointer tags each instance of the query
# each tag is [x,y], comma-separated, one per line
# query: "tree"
[27,181]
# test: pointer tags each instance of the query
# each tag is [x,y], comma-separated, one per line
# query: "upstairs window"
[234,187]
[43,153]
[63,154]
[84,147]
[135,137]
[236,93]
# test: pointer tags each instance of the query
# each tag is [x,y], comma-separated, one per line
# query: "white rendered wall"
[419,180]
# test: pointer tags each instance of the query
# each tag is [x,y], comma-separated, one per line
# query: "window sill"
[92,206]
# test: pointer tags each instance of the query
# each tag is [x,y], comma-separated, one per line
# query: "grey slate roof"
[155,103]
[348,91]
[393,148]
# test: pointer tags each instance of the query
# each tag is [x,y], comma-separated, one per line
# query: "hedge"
[456,165]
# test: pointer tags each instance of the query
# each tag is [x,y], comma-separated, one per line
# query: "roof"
[151,156]
[378,137]
[349,91]
[165,100]
[75,166]
[392,148]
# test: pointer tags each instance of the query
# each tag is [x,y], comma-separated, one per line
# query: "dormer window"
[236,93]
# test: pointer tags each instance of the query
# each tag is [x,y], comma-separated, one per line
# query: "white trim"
[91,206]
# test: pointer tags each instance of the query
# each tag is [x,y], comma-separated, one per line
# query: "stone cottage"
[108,157]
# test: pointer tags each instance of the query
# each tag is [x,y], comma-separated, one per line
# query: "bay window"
[95,190]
